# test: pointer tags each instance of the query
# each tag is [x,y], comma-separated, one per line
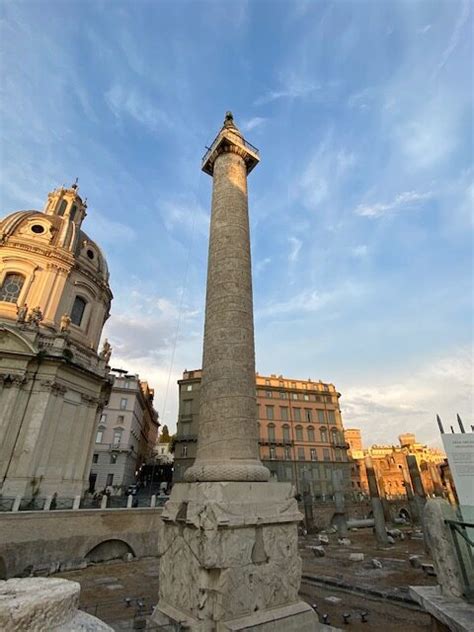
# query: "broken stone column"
[441,546]
[339,519]
[39,604]
[377,509]
[417,484]
[229,544]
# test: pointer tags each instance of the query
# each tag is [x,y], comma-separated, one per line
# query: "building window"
[269,411]
[272,453]
[103,418]
[338,454]
[299,433]
[113,459]
[95,458]
[11,287]
[189,387]
[287,453]
[100,435]
[286,433]
[123,403]
[77,311]
[314,456]
[268,394]
[307,414]
[117,435]
[334,436]
[306,398]
[110,480]
[297,414]
[326,454]
[331,417]
[271,432]
[184,450]
[62,208]
[311,434]
[283,395]
[267,382]
[324,435]
[120,419]
[294,395]
[321,418]
[187,406]
[72,213]
[300,454]
[283,413]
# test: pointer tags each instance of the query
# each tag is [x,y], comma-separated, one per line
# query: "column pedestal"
[229,559]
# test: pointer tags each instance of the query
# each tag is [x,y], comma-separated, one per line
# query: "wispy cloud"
[295,247]
[255,121]
[407,199]
[131,103]
[455,35]
[294,89]
[360,251]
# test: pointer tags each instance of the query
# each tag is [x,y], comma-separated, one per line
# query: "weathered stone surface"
[441,546]
[323,539]
[36,605]
[455,614]
[377,563]
[318,551]
[356,557]
[415,561]
[344,541]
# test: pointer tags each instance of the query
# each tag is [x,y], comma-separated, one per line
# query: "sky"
[360,209]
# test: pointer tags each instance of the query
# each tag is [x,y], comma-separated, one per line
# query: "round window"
[90,254]
[37,228]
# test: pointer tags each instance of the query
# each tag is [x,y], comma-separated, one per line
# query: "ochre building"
[54,301]
[301,436]
[390,465]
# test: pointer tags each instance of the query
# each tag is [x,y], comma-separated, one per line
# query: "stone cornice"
[55,387]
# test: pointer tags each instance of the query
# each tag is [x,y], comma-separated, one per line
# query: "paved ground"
[106,587]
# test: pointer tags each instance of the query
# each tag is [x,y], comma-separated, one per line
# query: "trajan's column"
[228,546]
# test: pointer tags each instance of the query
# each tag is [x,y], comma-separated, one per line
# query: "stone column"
[340,514]
[227,448]
[377,509]
[229,544]
[417,484]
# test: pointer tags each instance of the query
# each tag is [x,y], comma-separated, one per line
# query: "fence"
[55,503]
[464,547]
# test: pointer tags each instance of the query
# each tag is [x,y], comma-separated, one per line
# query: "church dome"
[48,261]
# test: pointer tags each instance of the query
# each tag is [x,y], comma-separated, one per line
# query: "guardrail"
[464,547]
[9,504]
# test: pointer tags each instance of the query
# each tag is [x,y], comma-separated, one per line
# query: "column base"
[229,559]
[251,471]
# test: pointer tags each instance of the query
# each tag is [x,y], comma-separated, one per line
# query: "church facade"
[54,300]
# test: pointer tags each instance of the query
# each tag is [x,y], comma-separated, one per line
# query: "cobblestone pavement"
[105,588]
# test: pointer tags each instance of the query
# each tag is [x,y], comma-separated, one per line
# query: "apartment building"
[126,434]
[301,436]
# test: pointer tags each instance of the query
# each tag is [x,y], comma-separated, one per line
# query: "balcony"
[186,437]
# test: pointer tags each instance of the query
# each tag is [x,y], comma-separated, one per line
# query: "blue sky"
[361,207]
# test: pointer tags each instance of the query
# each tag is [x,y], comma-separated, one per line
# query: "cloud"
[294,89]
[106,231]
[455,35]
[424,29]
[261,265]
[295,249]
[407,199]
[253,123]
[359,251]
[186,213]
[383,408]
[133,104]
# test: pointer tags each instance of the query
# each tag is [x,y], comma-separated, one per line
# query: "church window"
[77,311]
[37,228]
[62,207]
[72,213]
[11,287]
[90,254]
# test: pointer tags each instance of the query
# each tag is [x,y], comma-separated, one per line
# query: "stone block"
[344,541]
[390,539]
[356,557]
[333,600]
[318,551]
[377,563]
[415,561]
[73,565]
[428,569]
[323,539]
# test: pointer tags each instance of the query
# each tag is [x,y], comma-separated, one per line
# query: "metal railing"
[462,534]
[244,142]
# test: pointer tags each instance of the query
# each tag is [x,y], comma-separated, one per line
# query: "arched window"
[11,287]
[77,311]
[271,432]
[62,207]
[72,213]
[324,435]
[299,433]
[311,434]
[286,432]
[334,436]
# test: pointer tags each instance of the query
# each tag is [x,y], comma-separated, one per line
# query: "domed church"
[54,300]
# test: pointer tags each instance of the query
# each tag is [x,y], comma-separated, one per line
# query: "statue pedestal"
[229,559]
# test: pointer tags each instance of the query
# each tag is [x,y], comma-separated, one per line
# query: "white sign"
[460,452]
